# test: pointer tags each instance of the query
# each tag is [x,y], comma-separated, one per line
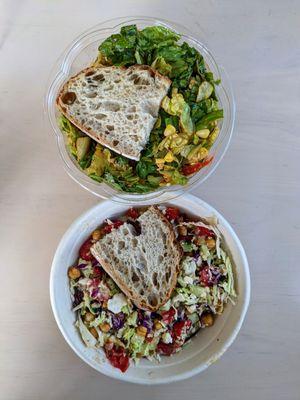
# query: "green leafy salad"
[186,127]
[108,320]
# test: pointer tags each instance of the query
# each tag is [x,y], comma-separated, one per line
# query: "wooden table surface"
[256,188]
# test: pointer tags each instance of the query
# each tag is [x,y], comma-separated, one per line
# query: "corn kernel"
[170,130]
[105,327]
[203,133]
[169,157]
[141,330]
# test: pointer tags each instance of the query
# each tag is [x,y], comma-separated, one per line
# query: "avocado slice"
[82,147]
[98,162]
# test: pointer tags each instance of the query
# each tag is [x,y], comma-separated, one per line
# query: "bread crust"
[62,107]
[136,299]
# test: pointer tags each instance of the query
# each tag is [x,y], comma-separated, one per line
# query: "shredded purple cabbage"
[78,297]
[82,266]
[95,293]
[117,320]
[148,323]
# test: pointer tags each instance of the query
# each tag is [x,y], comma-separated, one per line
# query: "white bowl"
[205,348]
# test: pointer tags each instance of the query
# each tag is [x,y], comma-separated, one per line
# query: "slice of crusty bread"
[145,266]
[115,106]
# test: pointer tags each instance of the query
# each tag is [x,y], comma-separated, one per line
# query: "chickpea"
[105,327]
[141,330]
[94,332]
[207,319]
[104,304]
[199,240]
[157,325]
[96,235]
[182,230]
[74,273]
[210,243]
[89,317]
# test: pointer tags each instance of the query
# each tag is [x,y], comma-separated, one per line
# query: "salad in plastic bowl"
[194,123]
[112,335]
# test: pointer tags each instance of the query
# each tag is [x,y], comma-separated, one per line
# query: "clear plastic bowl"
[81,53]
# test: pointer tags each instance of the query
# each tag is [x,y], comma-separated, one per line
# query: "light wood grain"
[256,188]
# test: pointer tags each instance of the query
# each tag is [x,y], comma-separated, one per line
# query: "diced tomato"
[168,316]
[181,328]
[117,357]
[97,271]
[132,213]
[109,227]
[209,276]
[149,338]
[190,169]
[166,349]
[172,213]
[202,231]
[85,252]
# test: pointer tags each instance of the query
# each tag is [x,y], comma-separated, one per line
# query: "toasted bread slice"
[143,264]
[115,106]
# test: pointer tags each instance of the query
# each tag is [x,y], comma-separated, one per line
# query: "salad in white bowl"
[189,328]
[107,319]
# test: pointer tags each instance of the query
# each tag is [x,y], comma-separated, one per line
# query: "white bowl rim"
[180,376]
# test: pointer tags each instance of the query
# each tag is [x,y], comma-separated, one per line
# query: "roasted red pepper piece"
[117,357]
[190,169]
[132,213]
[172,213]
[85,250]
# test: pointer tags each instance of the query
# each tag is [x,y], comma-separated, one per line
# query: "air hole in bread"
[135,138]
[110,106]
[121,245]
[160,259]
[131,109]
[115,142]
[110,127]
[132,77]
[99,78]
[137,230]
[153,300]
[134,242]
[68,98]
[134,277]
[142,292]
[91,95]
[108,88]
[129,117]
[147,108]
[100,116]
[117,80]
[154,278]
